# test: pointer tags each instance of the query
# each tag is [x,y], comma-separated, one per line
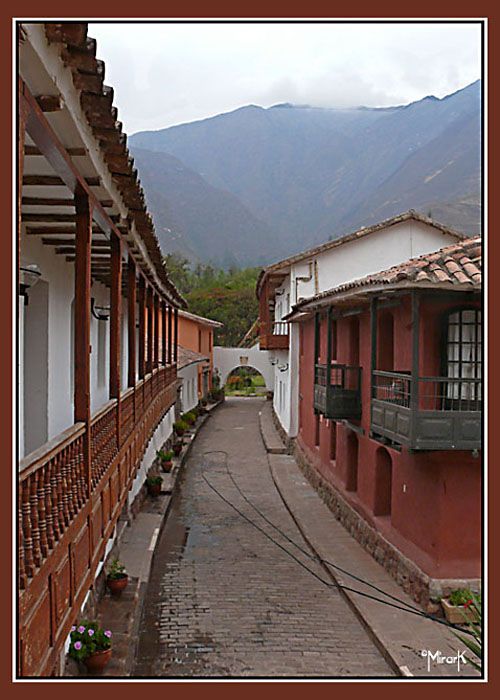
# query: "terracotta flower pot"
[177,449]
[179,431]
[117,585]
[458,614]
[98,660]
[154,489]
[166,465]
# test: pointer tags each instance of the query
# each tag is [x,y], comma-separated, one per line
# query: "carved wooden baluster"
[70,458]
[64,468]
[81,474]
[35,531]
[49,514]
[23,579]
[42,520]
[60,494]
[55,499]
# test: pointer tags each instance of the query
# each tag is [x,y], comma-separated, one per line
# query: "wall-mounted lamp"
[28,277]
[101,313]
[273,361]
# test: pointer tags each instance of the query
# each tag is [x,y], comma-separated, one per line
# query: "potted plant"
[177,448]
[189,418]
[117,578]
[154,484]
[90,644]
[180,427]
[458,607]
[165,458]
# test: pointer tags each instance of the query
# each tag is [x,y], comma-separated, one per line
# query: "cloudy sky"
[169,73]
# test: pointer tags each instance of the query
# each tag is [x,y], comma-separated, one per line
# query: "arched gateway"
[228,359]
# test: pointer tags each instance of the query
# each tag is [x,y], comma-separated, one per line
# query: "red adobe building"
[390,414]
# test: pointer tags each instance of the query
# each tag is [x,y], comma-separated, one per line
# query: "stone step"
[270,436]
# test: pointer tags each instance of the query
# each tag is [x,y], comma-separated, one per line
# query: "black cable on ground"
[408,608]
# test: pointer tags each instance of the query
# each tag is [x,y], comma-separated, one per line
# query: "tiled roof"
[187,357]
[78,51]
[457,266]
[200,319]
[360,233]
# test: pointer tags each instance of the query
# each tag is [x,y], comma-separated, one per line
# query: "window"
[463,357]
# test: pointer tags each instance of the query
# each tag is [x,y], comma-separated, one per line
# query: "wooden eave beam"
[59,202]
[47,218]
[34,151]
[55,181]
[50,103]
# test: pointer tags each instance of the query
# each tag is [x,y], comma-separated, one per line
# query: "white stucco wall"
[58,275]
[160,436]
[350,261]
[190,388]
[227,359]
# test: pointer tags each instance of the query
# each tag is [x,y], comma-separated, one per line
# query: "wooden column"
[115,317]
[142,327]
[163,333]
[170,320]
[149,306]
[316,339]
[415,332]
[115,328]
[373,333]
[176,333]
[83,241]
[132,299]
[156,314]
[328,347]
[23,114]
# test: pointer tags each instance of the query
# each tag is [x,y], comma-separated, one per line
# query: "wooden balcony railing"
[340,397]
[274,335]
[67,513]
[430,413]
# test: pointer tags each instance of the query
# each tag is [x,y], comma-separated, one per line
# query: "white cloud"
[168,73]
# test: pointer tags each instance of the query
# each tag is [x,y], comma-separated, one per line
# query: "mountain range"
[253,185]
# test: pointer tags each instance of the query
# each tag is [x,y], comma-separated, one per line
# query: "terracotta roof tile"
[186,357]
[449,267]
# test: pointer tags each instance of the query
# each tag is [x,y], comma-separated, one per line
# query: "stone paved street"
[222,599]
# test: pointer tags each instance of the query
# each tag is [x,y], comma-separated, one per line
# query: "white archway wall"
[228,359]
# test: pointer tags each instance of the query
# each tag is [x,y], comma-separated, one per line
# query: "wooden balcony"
[274,336]
[439,413]
[71,493]
[339,395]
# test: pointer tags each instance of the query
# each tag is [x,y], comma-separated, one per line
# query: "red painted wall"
[435,517]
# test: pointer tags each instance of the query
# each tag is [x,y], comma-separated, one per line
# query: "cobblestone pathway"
[222,599]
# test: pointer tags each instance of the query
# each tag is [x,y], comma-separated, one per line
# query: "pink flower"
[90,632]
[107,633]
[81,629]
[78,646]
[73,629]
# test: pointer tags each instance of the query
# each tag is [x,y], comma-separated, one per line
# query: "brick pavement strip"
[223,600]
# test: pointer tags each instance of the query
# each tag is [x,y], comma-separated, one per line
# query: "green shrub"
[460,596]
